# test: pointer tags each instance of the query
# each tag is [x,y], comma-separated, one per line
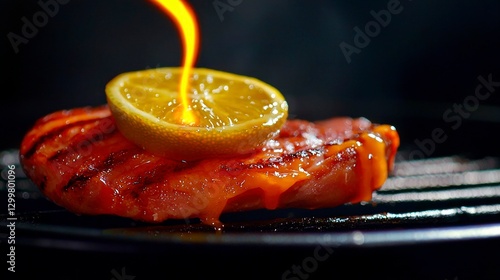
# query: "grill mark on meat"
[275,162]
[43,183]
[79,181]
[117,158]
[113,160]
[151,177]
[182,166]
[82,143]
[272,162]
[52,134]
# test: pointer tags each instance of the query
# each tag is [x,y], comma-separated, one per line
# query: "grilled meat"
[81,161]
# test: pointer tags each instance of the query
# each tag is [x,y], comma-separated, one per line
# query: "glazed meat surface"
[81,161]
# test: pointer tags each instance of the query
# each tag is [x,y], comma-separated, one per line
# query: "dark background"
[426,59]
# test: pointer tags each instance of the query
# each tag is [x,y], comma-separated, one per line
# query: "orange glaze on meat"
[82,162]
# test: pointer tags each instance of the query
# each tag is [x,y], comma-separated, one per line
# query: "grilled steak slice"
[80,161]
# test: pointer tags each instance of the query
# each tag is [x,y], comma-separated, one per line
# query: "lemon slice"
[233,114]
